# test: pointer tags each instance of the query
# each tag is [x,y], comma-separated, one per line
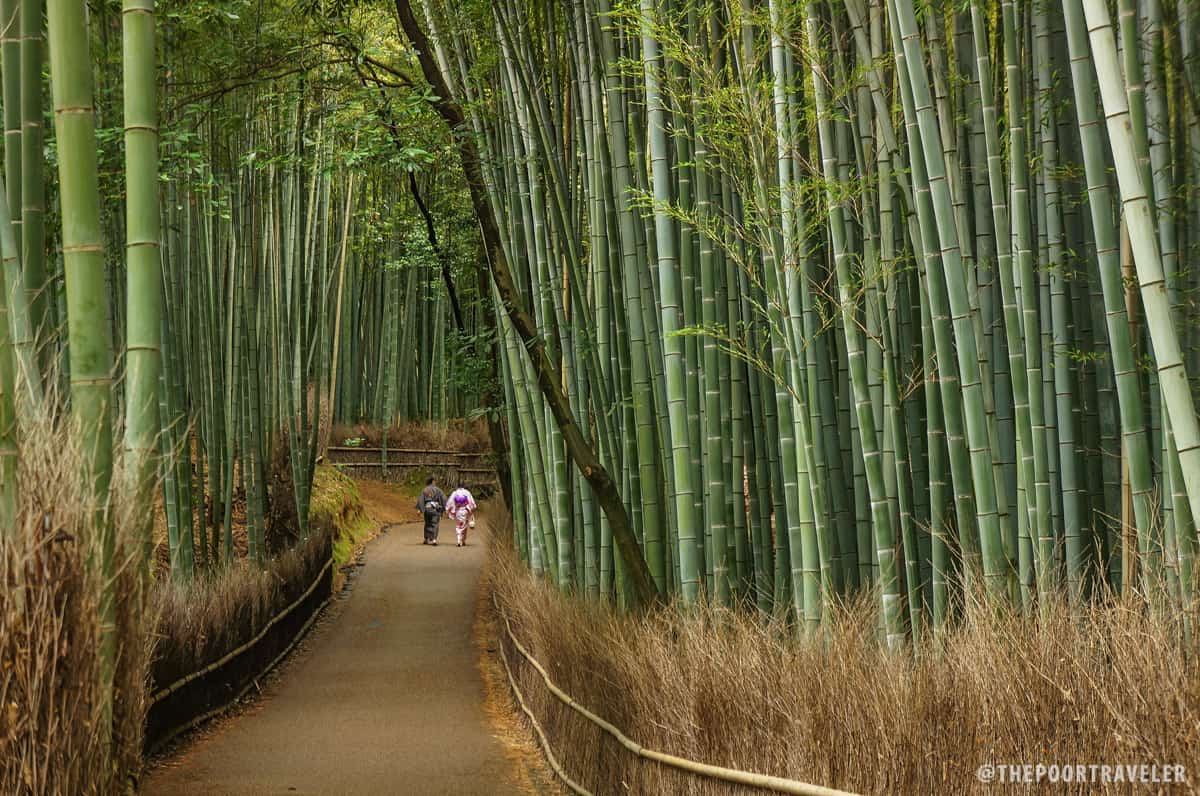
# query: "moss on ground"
[335,502]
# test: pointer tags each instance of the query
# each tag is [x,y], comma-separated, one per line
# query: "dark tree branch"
[549,379]
[389,121]
[431,234]
[220,88]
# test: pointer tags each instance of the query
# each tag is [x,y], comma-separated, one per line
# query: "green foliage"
[337,505]
[471,362]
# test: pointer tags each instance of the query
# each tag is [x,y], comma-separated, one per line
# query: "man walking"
[431,502]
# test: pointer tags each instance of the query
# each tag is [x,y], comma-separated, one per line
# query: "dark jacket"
[431,494]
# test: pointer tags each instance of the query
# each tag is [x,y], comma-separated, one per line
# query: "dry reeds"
[203,618]
[1108,685]
[53,707]
[200,620]
[462,436]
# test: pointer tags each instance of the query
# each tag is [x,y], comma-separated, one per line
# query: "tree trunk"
[549,379]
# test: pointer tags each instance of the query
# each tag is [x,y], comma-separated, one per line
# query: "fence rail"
[194,698]
[395,464]
[730,775]
[424,451]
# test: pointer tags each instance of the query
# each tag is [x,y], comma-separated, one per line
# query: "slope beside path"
[386,698]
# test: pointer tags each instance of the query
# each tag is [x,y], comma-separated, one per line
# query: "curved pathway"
[387,700]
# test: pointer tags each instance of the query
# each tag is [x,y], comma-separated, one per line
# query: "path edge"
[210,691]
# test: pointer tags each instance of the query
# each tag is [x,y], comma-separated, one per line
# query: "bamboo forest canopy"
[311,222]
[766,302]
[846,296]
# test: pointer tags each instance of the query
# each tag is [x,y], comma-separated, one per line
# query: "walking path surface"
[387,699]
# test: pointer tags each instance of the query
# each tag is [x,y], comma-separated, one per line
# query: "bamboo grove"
[792,300]
[212,271]
[848,296]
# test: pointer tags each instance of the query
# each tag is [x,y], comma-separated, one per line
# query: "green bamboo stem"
[144,316]
[1172,376]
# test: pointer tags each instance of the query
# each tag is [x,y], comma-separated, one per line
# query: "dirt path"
[387,699]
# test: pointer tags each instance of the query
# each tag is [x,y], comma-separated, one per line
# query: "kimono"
[462,513]
[430,503]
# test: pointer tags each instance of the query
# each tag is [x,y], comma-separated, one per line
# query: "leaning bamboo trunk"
[1172,376]
[578,446]
[1137,454]
[884,533]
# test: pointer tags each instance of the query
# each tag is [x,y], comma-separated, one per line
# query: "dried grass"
[51,706]
[462,436]
[201,619]
[51,702]
[1112,685]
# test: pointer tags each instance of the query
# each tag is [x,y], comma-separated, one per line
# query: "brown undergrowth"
[463,436]
[54,710]
[508,723]
[203,618]
[52,704]
[1108,686]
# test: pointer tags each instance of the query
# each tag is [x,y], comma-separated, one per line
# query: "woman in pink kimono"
[461,507]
